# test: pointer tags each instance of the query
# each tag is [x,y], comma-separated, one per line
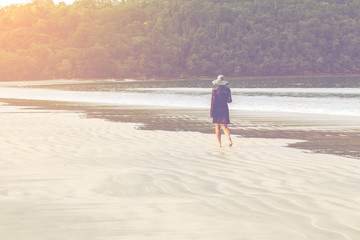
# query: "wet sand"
[338,135]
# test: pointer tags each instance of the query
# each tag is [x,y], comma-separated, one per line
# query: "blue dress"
[221,96]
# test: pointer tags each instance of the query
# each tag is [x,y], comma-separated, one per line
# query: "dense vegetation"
[177,38]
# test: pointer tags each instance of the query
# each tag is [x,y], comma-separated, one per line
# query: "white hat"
[220,81]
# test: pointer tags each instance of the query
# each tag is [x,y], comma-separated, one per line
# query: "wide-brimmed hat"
[220,80]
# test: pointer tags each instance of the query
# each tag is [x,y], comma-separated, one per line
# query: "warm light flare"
[4,3]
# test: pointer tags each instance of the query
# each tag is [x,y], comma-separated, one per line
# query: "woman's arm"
[229,100]
[212,103]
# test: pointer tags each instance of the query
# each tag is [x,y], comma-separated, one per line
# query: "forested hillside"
[178,38]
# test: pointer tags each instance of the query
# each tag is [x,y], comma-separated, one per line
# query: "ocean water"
[326,95]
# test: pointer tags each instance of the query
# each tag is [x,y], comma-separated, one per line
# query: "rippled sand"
[66,177]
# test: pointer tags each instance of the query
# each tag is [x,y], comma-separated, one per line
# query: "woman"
[221,96]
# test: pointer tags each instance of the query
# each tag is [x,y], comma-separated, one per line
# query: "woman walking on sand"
[221,96]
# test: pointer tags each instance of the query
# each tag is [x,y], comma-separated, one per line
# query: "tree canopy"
[178,38]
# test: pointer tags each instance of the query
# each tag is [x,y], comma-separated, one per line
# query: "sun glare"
[4,3]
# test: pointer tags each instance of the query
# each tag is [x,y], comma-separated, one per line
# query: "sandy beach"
[66,176]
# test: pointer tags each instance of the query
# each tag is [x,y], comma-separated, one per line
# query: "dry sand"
[64,177]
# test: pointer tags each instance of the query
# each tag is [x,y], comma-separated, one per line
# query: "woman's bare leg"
[227,133]
[218,133]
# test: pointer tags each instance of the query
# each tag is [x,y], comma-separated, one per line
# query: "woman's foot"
[230,142]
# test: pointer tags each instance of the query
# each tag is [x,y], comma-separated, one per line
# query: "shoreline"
[317,133]
[176,78]
[187,78]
